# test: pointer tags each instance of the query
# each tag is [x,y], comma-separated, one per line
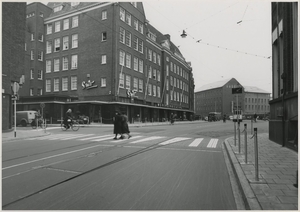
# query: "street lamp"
[183,35]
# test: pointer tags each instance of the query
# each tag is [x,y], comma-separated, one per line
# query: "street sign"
[42,105]
[15,87]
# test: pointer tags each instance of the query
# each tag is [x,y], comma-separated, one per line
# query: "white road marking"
[77,136]
[147,139]
[212,143]
[120,140]
[196,142]
[173,140]
[102,136]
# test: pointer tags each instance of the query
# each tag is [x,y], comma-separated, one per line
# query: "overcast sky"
[241,29]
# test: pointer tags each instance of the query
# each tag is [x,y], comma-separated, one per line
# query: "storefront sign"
[88,85]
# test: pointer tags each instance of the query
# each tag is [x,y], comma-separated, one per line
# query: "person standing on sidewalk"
[117,125]
[124,126]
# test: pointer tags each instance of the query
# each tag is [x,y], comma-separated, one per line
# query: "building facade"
[218,97]
[283,125]
[99,57]
[13,51]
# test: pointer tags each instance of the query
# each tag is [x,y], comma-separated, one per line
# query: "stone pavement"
[277,173]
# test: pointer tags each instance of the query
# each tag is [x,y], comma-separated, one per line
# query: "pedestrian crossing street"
[135,139]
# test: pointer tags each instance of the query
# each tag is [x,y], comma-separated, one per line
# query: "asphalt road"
[167,167]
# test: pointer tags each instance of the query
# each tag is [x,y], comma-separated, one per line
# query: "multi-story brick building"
[218,97]
[104,56]
[13,51]
[283,125]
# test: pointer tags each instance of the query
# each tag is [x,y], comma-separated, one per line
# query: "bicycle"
[74,125]
[41,123]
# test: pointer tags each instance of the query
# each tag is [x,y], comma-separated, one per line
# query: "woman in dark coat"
[124,126]
[117,125]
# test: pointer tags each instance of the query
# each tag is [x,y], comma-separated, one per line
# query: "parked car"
[25,117]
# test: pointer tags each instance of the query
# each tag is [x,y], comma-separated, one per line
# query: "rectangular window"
[154,90]
[141,46]
[141,85]
[74,62]
[141,28]
[56,84]
[122,58]
[32,37]
[49,46]
[66,24]
[40,74]
[56,44]
[64,83]
[75,21]
[121,82]
[158,91]
[40,55]
[158,75]
[104,15]
[122,35]
[32,55]
[150,54]
[154,57]
[135,64]
[48,66]
[66,43]
[135,43]
[31,92]
[41,37]
[103,59]
[122,14]
[65,63]
[31,73]
[128,82]
[56,65]
[48,85]
[73,83]
[128,60]
[141,66]
[149,89]
[154,74]
[135,83]
[57,26]
[39,91]
[150,72]
[136,24]
[128,19]
[128,39]
[103,82]
[49,29]
[75,41]
[104,36]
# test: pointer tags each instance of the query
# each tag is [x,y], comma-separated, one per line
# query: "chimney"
[168,36]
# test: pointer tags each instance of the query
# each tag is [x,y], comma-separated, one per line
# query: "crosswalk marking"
[190,142]
[89,138]
[173,140]
[212,143]
[147,139]
[196,142]
[76,136]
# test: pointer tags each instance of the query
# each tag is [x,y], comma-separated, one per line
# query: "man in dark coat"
[117,125]
[124,126]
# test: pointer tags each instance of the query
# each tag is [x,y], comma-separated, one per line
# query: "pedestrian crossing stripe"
[147,139]
[120,140]
[173,140]
[76,136]
[88,138]
[196,142]
[212,143]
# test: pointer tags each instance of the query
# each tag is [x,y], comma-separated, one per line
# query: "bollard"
[245,131]
[239,136]
[256,153]
[234,134]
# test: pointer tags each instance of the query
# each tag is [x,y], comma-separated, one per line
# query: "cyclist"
[67,117]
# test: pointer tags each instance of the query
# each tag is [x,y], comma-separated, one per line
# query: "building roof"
[253,89]
[213,85]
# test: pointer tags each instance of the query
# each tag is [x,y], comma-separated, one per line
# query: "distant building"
[283,124]
[98,57]
[218,97]
[13,52]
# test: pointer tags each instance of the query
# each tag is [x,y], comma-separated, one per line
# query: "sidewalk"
[277,173]
[28,133]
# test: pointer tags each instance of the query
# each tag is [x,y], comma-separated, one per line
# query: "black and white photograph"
[153,105]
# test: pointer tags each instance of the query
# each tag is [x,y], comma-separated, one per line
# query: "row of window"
[126,17]
[125,38]
[65,44]
[40,55]
[179,71]
[65,63]
[65,25]
[125,60]
[257,100]
[62,84]
[153,56]
[257,107]
[39,74]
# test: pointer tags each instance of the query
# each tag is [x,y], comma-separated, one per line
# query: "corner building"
[99,57]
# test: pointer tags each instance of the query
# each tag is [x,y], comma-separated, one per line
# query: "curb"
[250,200]
[18,138]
